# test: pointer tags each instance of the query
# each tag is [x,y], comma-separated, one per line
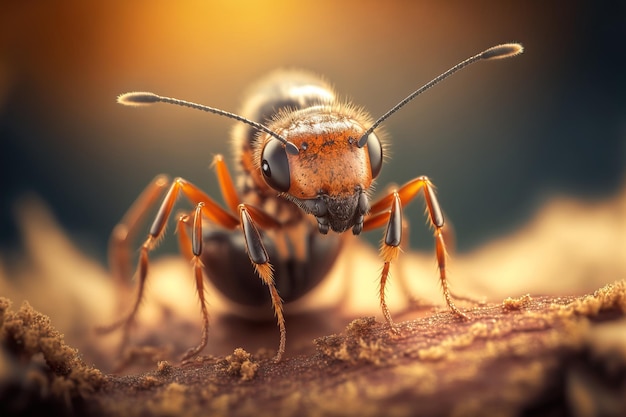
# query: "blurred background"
[498,139]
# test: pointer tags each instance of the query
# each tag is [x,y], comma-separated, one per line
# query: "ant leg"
[227,187]
[402,276]
[450,238]
[210,209]
[193,249]
[413,302]
[126,321]
[124,232]
[260,259]
[380,220]
[390,247]
[407,193]
[249,217]
[214,213]
[184,240]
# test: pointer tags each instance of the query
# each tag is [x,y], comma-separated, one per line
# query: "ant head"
[330,174]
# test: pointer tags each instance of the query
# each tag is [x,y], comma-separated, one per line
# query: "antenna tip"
[138,98]
[505,50]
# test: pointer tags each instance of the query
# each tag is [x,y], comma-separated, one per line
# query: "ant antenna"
[505,50]
[145,98]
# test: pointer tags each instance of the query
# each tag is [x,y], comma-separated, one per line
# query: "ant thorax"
[330,174]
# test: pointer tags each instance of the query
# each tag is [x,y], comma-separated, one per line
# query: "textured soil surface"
[525,356]
[555,352]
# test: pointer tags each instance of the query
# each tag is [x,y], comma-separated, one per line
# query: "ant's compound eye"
[375,152]
[275,166]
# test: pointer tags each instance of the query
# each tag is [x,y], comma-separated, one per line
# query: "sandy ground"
[569,249]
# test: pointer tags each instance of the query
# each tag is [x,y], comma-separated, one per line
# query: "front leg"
[260,260]
[249,217]
[389,249]
[205,209]
[192,248]
[388,211]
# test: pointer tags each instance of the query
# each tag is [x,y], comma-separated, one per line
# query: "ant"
[307,165]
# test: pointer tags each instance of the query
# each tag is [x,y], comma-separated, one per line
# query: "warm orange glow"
[63,63]
[81,55]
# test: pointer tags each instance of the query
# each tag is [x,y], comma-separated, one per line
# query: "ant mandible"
[301,153]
